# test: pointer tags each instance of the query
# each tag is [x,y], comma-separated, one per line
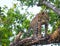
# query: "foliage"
[13,21]
[10,22]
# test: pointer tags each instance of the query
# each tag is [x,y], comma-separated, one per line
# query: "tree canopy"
[13,21]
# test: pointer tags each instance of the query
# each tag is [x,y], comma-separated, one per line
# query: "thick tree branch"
[48,4]
[30,41]
[53,7]
[53,38]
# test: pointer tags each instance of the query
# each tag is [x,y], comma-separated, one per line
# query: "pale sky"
[6,2]
[10,3]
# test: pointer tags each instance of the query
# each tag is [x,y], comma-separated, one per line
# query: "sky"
[6,2]
[10,3]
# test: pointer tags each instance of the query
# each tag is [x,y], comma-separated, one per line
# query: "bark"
[53,7]
[33,41]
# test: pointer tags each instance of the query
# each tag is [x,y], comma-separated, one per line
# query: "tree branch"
[30,41]
[53,7]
